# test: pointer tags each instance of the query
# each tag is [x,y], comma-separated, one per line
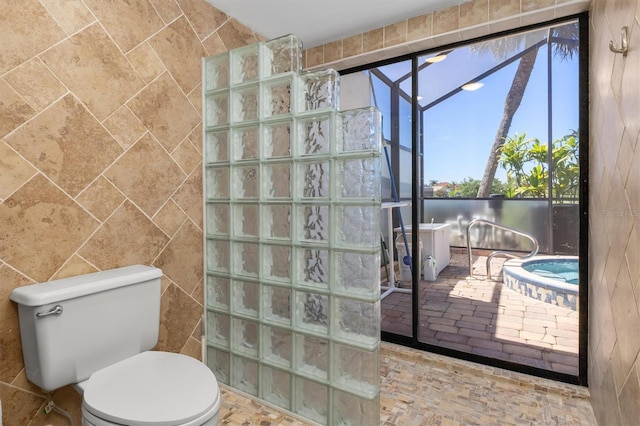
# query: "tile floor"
[420,388]
[483,317]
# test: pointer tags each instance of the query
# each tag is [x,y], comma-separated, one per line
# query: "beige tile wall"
[614,215]
[98,170]
[100,158]
[466,21]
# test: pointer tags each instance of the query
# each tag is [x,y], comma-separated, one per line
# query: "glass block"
[220,363]
[245,103]
[245,337]
[356,322]
[245,182]
[245,143]
[312,265]
[314,135]
[276,304]
[276,263]
[313,223]
[217,109]
[246,258]
[217,182]
[276,386]
[313,180]
[312,400]
[358,226]
[276,222]
[218,292]
[217,218]
[276,139]
[216,146]
[276,97]
[359,178]
[312,312]
[246,298]
[318,90]
[269,251]
[244,64]
[312,356]
[218,255]
[244,375]
[216,75]
[283,54]
[277,346]
[245,220]
[357,274]
[361,129]
[218,329]
[352,410]
[357,370]
[277,181]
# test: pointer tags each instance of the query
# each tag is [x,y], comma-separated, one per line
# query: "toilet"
[96,332]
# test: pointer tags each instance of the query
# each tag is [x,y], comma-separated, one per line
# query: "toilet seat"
[152,388]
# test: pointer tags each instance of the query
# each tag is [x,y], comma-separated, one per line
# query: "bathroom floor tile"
[421,388]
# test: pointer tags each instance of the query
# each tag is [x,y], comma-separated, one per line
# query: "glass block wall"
[292,235]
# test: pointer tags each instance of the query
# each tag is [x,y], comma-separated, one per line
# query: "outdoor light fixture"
[472,86]
[438,58]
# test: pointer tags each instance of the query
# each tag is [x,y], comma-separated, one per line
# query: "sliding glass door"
[486,195]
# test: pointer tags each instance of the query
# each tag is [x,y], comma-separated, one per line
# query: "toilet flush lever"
[56,310]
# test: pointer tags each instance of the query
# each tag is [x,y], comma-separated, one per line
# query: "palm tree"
[564,45]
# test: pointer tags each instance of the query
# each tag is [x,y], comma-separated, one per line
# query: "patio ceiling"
[464,65]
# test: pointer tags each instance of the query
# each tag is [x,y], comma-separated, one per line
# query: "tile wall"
[75,196]
[471,19]
[614,214]
[100,158]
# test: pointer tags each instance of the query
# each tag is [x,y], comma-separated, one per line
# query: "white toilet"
[95,331]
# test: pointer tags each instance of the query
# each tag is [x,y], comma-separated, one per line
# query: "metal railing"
[499,252]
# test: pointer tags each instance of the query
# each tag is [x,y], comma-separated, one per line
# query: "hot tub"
[551,279]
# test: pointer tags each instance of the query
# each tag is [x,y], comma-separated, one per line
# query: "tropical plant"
[566,168]
[527,161]
[565,44]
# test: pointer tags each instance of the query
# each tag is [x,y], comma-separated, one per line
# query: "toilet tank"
[75,326]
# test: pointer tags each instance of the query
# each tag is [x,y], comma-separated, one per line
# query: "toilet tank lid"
[82,285]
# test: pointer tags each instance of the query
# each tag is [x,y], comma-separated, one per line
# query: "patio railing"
[499,252]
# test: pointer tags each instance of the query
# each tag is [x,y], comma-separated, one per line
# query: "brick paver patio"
[481,316]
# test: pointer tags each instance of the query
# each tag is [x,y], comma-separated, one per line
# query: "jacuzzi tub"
[551,279]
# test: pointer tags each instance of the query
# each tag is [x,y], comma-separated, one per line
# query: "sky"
[464,126]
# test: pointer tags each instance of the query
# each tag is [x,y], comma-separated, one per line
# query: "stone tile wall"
[100,158]
[471,19]
[614,214]
[75,196]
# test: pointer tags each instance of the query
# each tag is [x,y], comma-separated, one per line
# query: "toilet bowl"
[96,332]
[151,388]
